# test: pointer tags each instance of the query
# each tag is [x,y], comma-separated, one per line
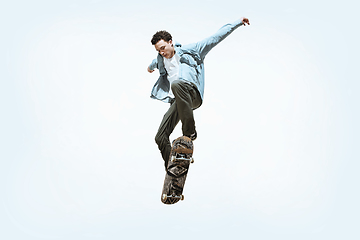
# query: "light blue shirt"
[191,63]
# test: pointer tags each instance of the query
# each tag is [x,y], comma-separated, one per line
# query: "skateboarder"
[181,81]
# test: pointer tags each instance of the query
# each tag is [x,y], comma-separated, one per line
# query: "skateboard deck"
[177,170]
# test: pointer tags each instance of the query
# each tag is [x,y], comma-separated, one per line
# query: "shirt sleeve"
[153,64]
[204,46]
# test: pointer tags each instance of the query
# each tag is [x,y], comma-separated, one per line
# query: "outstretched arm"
[207,44]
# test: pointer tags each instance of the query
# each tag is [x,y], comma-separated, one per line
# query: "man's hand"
[245,21]
[149,70]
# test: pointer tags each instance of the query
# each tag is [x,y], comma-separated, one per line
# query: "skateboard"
[177,170]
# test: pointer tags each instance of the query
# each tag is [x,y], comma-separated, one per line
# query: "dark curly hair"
[164,35]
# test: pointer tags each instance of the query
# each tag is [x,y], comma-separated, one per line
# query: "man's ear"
[170,42]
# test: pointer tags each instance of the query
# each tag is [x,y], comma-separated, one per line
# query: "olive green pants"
[187,98]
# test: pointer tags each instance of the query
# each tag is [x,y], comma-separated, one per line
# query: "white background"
[277,154]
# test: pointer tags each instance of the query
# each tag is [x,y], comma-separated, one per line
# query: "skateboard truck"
[164,197]
[174,159]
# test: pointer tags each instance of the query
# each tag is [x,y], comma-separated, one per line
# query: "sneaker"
[193,136]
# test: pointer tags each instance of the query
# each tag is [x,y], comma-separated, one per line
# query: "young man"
[181,81]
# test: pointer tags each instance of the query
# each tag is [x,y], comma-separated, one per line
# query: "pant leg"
[187,98]
[167,125]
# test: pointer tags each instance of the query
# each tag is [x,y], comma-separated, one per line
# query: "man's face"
[166,49]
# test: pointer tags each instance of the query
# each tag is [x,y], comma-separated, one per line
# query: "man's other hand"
[245,21]
[149,70]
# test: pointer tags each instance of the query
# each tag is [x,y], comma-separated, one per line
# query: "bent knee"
[175,85]
[158,139]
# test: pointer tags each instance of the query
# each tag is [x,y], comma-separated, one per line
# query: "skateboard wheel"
[173,158]
[182,197]
[164,197]
[192,160]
